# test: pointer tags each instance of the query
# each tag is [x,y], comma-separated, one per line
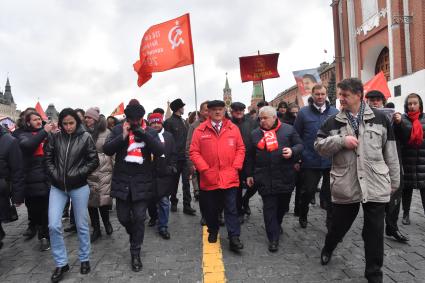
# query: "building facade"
[227,95]
[7,103]
[381,35]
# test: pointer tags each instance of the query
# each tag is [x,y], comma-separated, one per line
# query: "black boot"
[85,267]
[325,256]
[95,235]
[406,218]
[189,210]
[108,228]
[59,273]
[136,263]
[44,244]
[273,246]
[235,244]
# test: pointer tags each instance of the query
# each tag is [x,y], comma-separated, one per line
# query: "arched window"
[383,63]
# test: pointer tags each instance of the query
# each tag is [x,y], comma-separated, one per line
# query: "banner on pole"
[378,82]
[119,110]
[40,111]
[165,46]
[259,67]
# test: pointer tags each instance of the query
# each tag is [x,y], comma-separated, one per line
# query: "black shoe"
[273,246]
[59,273]
[44,244]
[313,200]
[398,236]
[188,210]
[136,263]
[152,222]
[247,209]
[108,228]
[71,228]
[303,222]
[235,244]
[164,234]
[30,233]
[406,219]
[325,257]
[95,235]
[196,197]
[221,220]
[173,207]
[212,237]
[85,267]
[203,222]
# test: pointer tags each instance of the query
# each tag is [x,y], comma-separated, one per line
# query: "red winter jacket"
[217,157]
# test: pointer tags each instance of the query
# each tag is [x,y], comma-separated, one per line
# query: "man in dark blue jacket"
[313,166]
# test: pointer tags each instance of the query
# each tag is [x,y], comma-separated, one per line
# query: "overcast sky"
[80,53]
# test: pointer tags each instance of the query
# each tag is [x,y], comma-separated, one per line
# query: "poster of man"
[306,79]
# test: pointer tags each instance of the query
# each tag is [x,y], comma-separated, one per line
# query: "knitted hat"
[134,110]
[93,113]
[155,118]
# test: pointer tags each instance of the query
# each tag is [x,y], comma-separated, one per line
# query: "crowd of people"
[362,154]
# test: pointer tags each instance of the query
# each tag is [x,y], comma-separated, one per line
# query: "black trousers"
[372,234]
[213,202]
[310,180]
[274,208]
[94,216]
[392,210]
[182,170]
[132,216]
[298,184]
[38,208]
[407,199]
[152,209]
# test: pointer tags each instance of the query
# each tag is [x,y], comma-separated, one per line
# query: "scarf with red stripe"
[269,140]
[417,133]
[39,151]
[134,150]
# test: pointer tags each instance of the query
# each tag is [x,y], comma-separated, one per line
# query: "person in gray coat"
[365,169]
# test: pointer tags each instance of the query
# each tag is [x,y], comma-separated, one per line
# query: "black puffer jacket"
[272,173]
[178,128]
[11,173]
[413,159]
[246,125]
[133,180]
[36,178]
[166,167]
[70,159]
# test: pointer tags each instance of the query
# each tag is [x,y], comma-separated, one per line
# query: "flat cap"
[215,103]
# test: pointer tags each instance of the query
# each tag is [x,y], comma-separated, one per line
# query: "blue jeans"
[57,201]
[163,213]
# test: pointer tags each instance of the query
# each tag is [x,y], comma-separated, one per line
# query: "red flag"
[40,111]
[378,82]
[259,67]
[119,110]
[165,46]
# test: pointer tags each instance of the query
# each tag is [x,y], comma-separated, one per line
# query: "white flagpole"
[196,96]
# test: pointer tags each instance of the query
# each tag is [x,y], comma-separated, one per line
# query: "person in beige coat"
[365,170]
[100,180]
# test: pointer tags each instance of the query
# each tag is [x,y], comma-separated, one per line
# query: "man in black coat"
[133,178]
[246,125]
[178,128]
[274,148]
[165,166]
[11,176]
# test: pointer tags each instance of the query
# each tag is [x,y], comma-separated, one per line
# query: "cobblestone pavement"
[180,259]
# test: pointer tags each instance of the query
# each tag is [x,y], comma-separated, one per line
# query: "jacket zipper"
[66,159]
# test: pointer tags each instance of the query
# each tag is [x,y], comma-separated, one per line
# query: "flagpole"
[262,85]
[194,85]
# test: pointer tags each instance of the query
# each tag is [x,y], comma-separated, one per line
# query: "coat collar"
[207,124]
[368,114]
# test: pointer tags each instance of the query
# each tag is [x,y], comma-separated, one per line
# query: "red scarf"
[39,151]
[134,150]
[417,133]
[269,140]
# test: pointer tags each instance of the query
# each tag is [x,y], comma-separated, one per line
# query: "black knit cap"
[375,94]
[134,110]
[215,103]
[176,104]
[237,106]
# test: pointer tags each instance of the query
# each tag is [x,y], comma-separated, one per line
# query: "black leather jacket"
[70,159]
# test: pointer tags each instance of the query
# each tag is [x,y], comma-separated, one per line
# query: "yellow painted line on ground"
[212,260]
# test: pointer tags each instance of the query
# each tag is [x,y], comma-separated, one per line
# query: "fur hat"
[176,104]
[134,110]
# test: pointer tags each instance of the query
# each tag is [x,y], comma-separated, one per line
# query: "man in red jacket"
[217,151]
